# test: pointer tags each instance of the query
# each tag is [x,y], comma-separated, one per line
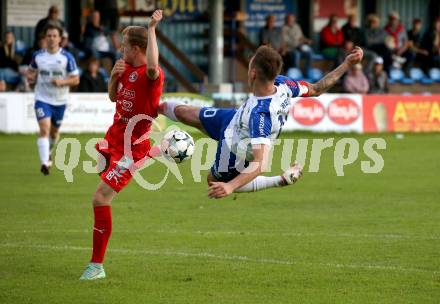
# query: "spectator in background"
[375,38]
[377,78]
[415,44]
[431,42]
[96,41]
[53,17]
[9,73]
[68,46]
[331,38]
[352,32]
[270,35]
[109,12]
[294,45]
[398,45]
[91,80]
[41,44]
[356,82]
[344,51]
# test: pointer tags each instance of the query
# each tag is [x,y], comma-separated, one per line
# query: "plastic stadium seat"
[315,74]
[391,81]
[397,75]
[417,74]
[20,47]
[434,74]
[104,74]
[317,57]
[295,73]
[81,55]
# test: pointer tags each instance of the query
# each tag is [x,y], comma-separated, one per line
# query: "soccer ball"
[178,145]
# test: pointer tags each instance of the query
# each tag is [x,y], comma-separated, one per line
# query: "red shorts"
[120,168]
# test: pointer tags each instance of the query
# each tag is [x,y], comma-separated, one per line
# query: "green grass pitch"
[360,238]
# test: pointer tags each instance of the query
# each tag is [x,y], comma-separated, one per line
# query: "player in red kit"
[135,85]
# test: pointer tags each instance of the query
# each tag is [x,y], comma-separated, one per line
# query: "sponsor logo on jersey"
[343,111]
[121,167]
[133,76]
[261,124]
[308,111]
[127,105]
[130,94]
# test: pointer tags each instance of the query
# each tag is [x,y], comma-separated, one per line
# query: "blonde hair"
[136,35]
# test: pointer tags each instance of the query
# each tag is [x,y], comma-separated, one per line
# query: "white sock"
[43,149]
[169,109]
[261,183]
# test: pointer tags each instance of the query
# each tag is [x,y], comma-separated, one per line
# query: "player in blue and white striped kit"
[245,135]
[54,70]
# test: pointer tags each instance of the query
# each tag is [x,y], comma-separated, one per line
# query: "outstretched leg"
[289,177]
[189,115]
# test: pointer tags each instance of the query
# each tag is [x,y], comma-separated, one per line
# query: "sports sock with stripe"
[102,230]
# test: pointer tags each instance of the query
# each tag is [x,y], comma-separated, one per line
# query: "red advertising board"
[396,113]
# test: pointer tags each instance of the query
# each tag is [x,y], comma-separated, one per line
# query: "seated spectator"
[91,80]
[9,73]
[331,38]
[53,17]
[96,41]
[356,82]
[431,42]
[68,46]
[375,38]
[399,45]
[294,45]
[352,32]
[344,51]
[378,78]
[41,44]
[415,40]
[270,35]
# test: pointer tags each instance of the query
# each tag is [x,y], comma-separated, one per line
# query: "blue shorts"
[44,110]
[215,121]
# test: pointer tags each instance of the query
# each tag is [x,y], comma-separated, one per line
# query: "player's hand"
[355,56]
[219,189]
[155,18]
[118,68]
[58,82]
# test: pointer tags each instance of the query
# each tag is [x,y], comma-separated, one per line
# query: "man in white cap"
[399,41]
[377,78]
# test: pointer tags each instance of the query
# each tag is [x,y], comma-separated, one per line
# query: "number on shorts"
[40,112]
[209,113]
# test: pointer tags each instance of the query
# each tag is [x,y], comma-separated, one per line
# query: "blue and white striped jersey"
[260,119]
[50,67]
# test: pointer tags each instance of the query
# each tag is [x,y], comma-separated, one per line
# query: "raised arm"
[329,80]
[117,71]
[152,49]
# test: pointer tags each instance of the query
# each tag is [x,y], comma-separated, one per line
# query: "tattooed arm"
[329,80]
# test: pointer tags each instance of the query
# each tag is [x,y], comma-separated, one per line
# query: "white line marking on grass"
[227,258]
[255,234]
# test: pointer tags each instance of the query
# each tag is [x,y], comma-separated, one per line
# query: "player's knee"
[181,112]
[188,115]
[99,198]
[44,132]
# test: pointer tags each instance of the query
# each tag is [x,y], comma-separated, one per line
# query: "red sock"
[101,232]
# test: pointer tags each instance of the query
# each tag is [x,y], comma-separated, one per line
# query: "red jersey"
[136,94]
